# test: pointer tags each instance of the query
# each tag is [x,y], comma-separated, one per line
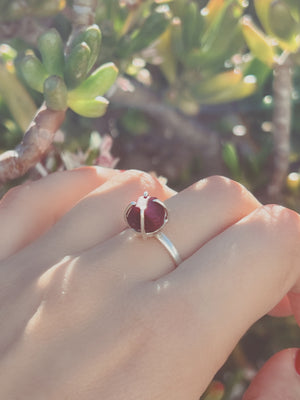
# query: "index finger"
[30,209]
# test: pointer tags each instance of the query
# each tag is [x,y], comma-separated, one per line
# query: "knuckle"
[283,220]
[56,283]
[142,180]
[224,184]
[222,194]
[219,185]
[283,216]
[166,311]
[219,180]
[280,227]
[17,194]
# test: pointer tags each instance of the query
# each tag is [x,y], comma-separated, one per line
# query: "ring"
[147,216]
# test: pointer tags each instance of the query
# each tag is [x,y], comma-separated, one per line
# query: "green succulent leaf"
[246,87]
[262,8]
[283,26]
[51,48]
[294,6]
[177,44]
[141,38]
[219,83]
[16,97]
[34,72]
[222,24]
[259,44]
[192,26]
[7,53]
[255,67]
[93,37]
[213,58]
[97,83]
[221,39]
[91,108]
[168,64]
[55,93]
[212,9]
[231,159]
[77,64]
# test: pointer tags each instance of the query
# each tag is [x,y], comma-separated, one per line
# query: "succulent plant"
[65,81]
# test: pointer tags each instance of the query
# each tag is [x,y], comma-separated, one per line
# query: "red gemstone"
[154,215]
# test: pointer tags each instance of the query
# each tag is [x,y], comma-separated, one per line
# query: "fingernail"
[297,362]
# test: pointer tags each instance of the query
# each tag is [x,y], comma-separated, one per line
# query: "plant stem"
[281,124]
[130,94]
[36,141]
[83,14]
[46,122]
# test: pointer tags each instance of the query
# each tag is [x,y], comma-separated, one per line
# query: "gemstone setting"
[147,215]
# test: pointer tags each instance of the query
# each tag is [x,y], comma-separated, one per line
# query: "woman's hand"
[90,311]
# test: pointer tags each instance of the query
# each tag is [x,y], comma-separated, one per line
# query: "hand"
[90,311]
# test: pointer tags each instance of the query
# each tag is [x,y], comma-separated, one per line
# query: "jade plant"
[193,41]
[177,56]
[66,77]
[65,81]
[203,42]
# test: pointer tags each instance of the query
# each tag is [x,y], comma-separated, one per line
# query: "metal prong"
[127,209]
[142,222]
[165,208]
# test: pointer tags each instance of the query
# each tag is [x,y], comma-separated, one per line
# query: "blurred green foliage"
[209,60]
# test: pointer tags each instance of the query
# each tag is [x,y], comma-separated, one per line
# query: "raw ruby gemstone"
[154,215]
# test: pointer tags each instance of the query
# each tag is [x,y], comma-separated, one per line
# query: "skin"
[89,310]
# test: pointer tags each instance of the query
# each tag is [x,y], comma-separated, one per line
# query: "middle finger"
[196,215]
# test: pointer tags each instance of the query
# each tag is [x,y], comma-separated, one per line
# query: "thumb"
[278,379]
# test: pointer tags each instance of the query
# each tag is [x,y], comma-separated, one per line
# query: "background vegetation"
[194,88]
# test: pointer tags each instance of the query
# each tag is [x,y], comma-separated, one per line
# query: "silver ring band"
[169,246]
